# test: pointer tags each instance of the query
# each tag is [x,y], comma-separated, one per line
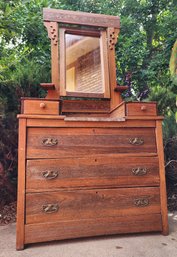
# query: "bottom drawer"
[90,204]
[94,227]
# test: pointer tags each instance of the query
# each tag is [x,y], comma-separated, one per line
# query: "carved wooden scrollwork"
[52,29]
[112,37]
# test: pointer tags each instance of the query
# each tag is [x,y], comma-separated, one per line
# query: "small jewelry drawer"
[141,109]
[40,106]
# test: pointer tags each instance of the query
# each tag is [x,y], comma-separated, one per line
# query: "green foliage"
[169,128]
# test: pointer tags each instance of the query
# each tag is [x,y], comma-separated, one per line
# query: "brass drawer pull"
[141,202]
[136,141]
[50,208]
[50,174]
[50,141]
[139,171]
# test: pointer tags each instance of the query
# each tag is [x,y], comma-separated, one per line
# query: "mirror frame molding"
[53,18]
[103,56]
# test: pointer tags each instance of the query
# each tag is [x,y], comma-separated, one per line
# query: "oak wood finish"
[20,234]
[81,18]
[59,121]
[52,29]
[120,89]
[91,172]
[89,141]
[141,109]
[41,107]
[85,106]
[90,204]
[51,92]
[118,111]
[88,167]
[115,96]
[163,193]
[104,63]
[62,62]
[92,227]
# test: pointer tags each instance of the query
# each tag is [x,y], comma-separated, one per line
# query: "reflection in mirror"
[83,64]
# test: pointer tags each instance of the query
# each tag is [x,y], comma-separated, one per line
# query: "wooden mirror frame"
[110,25]
[103,55]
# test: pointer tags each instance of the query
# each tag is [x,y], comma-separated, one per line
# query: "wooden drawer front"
[70,142]
[141,109]
[41,107]
[92,227]
[90,204]
[100,171]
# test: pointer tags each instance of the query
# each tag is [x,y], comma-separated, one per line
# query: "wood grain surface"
[81,18]
[21,185]
[163,193]
[90,204]
[85,106]
[91,172]
[88,141]
[41,107]
[93,227]
[141,109]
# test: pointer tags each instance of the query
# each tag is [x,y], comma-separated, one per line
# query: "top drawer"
[70,142]
[141,109]
[40,107]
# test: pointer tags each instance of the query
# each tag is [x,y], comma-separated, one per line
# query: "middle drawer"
[90,171]
[72,142]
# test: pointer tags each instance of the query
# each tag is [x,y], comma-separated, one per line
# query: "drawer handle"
[50,174]
[141,202]
[143,108]
[50,208]
[136,141]
[49,141]
[42,105]
[139,171]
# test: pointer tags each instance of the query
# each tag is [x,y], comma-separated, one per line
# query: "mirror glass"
[83,64]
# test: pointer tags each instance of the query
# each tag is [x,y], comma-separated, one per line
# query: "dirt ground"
[8,214]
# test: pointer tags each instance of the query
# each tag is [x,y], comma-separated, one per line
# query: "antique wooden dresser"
[89,163]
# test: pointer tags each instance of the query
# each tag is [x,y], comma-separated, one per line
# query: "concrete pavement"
[135,245]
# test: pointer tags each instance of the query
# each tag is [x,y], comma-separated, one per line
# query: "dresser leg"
[163,193]
[20,229]
[19,246]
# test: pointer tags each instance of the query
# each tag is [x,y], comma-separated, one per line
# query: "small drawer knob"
[42,105]
[143,108]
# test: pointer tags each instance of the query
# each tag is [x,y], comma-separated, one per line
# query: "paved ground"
[141,245]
